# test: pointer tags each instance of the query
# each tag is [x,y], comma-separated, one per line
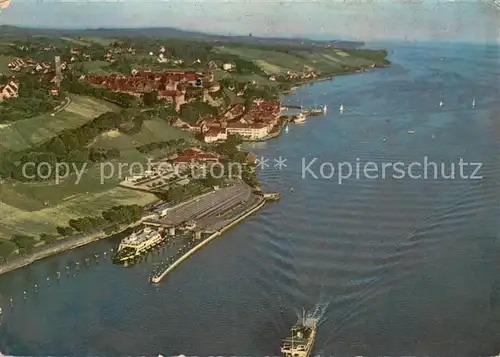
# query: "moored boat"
[137,244]
[300,118]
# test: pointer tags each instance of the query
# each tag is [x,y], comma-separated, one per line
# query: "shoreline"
[70,243]
[64,245]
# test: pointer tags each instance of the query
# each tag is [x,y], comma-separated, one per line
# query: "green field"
[45,219]
[100,40]
[4,61]
[25,133]
[75,41]
[34,208]
[276,62]
[98,68]
[154,130]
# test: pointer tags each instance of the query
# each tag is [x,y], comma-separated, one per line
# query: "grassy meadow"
[98,68]
[34,208]
[4,61]
[27,133]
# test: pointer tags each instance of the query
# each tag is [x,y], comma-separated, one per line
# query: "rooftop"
[137,238]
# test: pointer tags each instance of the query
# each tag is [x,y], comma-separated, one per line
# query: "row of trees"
[180,193]
[229,149]
[70,146]
[177,144]
[110,219]
[194,111]
[73,85]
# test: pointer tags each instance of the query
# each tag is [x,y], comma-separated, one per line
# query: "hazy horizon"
[427,20]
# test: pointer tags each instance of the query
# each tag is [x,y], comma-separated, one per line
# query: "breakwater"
[158,278]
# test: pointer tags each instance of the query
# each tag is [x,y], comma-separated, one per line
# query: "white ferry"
[301,343]
[138,243]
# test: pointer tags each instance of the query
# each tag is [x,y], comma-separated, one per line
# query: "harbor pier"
[260,203]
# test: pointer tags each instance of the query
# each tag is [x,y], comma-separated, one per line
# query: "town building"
[170,85]
[251,132]
[195,156]
[10,90]
[215,134]
[54,91]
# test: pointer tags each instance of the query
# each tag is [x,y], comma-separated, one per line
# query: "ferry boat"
[138,243]
[300,118]
[301,342]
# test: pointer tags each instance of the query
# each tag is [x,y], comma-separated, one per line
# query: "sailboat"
[286,129]
[440,104]
[325,109]
[341,109]
[473,102]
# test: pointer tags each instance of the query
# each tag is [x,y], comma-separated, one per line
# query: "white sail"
[440,103]
[341,108]
[473,102]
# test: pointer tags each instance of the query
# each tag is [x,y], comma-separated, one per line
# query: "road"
[67,101]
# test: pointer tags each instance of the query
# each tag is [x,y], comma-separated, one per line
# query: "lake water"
[390,266]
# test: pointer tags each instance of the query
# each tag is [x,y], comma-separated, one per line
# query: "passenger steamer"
[301,343]
[137,244]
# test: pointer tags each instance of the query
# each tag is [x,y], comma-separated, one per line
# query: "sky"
[414,20]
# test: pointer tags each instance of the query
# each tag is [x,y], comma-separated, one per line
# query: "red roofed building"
[195,155]
[9,90]
[215,134]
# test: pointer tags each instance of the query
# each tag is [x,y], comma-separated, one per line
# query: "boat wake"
[319,311]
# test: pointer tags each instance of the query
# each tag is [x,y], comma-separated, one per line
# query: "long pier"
[158,278]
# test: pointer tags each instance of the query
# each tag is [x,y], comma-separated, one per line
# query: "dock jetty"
[257,201]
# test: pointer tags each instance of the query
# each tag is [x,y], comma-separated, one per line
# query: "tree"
[48,238]
[82,225]
[65,231]
[6,249]
[150,98]
[24,244]
[111,229]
